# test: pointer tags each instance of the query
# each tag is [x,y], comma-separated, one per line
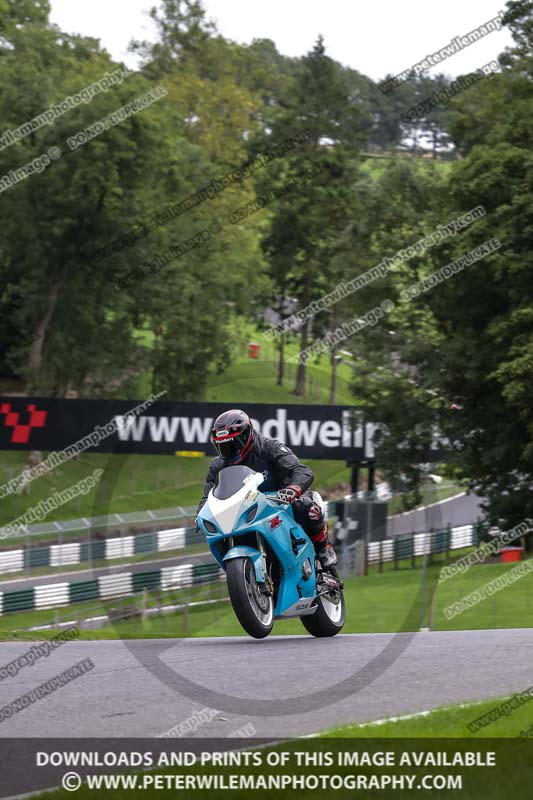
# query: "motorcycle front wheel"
[253,609]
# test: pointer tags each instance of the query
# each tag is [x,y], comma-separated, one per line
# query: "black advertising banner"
[166,427]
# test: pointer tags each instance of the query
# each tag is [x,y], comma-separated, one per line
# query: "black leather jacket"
[271,457]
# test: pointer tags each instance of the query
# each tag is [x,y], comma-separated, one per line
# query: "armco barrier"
[107,587]
[398,548]
[184,575]
[407,546]
[59,555]
[104,521]
[68,553]
[419,544]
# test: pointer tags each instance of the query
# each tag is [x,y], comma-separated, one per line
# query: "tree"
[54,220]
[74,331]
[306,222]
[478,358]
[198,297]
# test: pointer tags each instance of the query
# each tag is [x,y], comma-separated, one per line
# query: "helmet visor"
[229,445]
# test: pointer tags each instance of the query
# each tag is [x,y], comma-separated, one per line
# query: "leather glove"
[289,494]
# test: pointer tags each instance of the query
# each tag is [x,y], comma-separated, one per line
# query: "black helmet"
[232,435]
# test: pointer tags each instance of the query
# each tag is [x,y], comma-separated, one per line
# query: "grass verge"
[445,722]
[381,602]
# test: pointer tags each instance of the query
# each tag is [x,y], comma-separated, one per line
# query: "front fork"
[268,586]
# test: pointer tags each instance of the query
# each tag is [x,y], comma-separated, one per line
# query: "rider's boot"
[324,549]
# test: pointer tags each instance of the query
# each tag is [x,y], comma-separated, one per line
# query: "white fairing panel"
[226,512]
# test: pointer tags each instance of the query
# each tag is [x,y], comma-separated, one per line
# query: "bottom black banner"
[208,769]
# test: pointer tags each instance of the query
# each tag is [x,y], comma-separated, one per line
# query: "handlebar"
[272,496]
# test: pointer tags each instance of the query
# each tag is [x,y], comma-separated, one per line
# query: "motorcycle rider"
[236,442]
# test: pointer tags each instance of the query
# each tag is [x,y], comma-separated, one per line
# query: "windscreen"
[230,480]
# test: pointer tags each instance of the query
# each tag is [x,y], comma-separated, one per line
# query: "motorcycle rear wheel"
[328,619]
[253,609]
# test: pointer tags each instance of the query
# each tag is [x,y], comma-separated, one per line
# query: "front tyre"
[253,609]
[328,619]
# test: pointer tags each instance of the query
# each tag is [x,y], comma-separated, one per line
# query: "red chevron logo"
[21,433]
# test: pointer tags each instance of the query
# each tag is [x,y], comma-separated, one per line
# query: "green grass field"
[255,380]
[446,722]
[129,483]
[249,380]
[385,602]
[15,626]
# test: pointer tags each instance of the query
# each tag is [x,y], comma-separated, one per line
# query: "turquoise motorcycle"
[271,568]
